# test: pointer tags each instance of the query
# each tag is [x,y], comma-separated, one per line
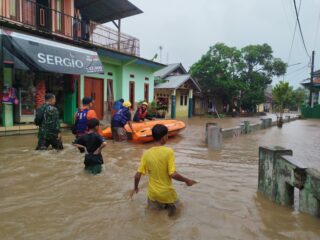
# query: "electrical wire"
[297,70]
[294,35]
[297,14]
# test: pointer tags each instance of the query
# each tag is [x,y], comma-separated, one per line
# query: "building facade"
[174,91]
[61,46]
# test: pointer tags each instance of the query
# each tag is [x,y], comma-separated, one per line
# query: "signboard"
[39,54]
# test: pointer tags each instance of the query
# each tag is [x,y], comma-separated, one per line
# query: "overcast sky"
[186,28]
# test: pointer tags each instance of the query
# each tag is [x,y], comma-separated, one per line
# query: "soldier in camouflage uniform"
[49,125]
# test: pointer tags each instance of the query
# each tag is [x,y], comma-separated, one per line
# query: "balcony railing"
[38,17]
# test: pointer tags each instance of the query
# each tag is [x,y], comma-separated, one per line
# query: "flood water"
[47,195]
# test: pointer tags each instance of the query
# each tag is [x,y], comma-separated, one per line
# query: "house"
[174,89]
[315,87]
[267,105]
[62,46]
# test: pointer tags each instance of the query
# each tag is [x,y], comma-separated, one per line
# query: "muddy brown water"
[47,195]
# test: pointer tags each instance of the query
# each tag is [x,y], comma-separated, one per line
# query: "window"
[146,92]
[131,93]
[183,100]
[14,9]
[110,94]
[59,17]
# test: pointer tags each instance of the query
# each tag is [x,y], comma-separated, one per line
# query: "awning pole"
[119,33]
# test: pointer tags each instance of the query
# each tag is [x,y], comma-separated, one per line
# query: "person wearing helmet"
[142,113]
[119,120]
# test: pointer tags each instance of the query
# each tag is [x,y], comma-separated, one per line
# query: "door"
[43,15]
[131,93]
[93,87]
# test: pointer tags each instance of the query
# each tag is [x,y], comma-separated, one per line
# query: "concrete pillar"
[310,194]
[263,123]
[288,118]
[245,127]
[214,138]
[207,126]
[173,104]
[190,109]
[269,122]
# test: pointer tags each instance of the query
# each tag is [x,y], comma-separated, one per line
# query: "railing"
[38,17]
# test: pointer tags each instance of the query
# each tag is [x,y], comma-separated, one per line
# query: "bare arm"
[130,125]
[81,146]
[99,149]
[137,178]
[180,178]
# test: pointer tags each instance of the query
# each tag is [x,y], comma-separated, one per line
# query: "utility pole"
[311,80]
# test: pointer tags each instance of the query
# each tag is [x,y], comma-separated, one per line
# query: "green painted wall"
[121,78]
[140,73]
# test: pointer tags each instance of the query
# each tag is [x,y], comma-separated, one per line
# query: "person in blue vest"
[117,106]
[119,120]
[82,116]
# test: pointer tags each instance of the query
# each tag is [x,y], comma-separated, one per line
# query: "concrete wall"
[280,173]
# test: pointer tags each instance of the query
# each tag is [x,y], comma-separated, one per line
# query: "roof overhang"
[102,11]
[125,58]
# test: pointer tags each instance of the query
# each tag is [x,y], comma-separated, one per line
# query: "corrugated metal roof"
[102,11]
[174,82]
[164,72]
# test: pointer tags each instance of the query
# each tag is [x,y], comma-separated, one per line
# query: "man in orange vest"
[82,116]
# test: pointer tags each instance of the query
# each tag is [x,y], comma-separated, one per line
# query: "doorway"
[93,87]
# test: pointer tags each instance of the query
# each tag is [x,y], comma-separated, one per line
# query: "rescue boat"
[143,130]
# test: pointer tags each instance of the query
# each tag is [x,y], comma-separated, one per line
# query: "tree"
[218,71]
[298,97]
[258,69]
[243,74]
[282,95]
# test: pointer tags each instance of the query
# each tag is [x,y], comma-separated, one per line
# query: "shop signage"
[44,55]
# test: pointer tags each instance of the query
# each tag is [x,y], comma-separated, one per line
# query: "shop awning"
[38,54]
[102,11]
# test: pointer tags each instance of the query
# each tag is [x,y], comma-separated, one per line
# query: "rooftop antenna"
[160,48]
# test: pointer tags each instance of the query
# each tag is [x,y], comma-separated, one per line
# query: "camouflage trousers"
[44,143]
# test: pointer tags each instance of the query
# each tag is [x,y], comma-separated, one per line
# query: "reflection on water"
[47,195]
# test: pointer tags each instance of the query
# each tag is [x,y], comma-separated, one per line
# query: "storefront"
[33,66]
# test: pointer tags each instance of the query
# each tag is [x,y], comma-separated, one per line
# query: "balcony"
[32,15]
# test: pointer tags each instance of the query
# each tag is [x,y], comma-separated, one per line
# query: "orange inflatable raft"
[144,130]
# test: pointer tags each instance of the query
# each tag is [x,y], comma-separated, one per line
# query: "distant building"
[174,91]
[315,87]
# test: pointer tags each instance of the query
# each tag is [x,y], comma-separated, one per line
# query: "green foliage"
[238,74]
[299,96]
[282,95]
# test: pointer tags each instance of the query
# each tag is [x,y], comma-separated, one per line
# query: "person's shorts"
[119,134]
[93,169]
[170,207]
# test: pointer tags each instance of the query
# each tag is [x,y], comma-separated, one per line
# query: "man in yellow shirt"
[159,163]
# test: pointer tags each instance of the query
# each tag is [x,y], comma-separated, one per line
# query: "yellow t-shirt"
[158,163]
